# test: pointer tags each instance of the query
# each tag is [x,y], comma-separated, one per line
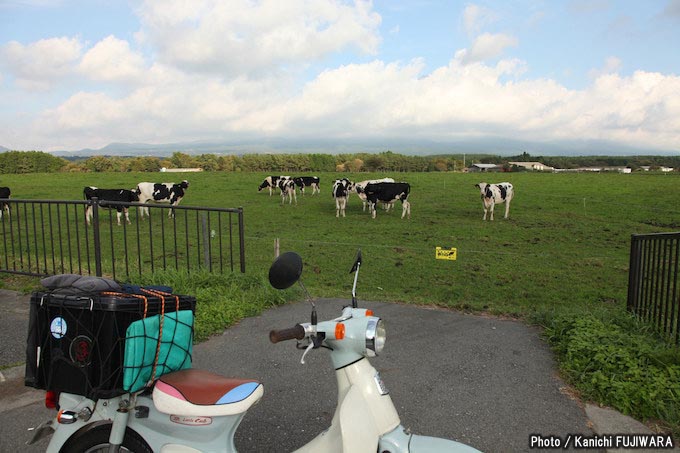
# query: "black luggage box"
[76,344]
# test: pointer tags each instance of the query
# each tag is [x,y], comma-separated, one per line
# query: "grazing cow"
[388,192]
[287,187]
[4,193]
[495,193]
[360,186]
[307,181]
[124,195]
[341,190]
[271,182]
[167,192]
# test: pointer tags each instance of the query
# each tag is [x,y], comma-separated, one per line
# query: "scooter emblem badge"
[191,421]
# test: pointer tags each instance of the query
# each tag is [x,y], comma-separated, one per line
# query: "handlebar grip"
[297,332]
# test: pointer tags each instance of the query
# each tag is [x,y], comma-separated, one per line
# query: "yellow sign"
[446,254]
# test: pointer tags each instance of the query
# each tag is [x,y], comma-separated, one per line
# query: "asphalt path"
[484,381]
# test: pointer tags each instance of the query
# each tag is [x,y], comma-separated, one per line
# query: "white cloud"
[39,65]
[217,73]
[112,60]
[486,46]
[379,99]
[476,17]
[612,65]
[241,36]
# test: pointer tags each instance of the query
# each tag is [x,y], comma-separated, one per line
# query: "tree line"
[41,162]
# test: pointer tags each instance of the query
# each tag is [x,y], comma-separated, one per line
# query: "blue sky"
[585,73]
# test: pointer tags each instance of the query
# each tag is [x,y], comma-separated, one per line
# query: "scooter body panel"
[364,413]
[165,432]
[76,403]
[400,441]
[162,432]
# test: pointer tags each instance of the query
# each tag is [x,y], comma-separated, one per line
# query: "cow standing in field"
[495,193]
[271,182]
[307,181]
[287,188]
[341,190]
[4,206]
[359,189]
[166,192]
[123,195]
[389,192]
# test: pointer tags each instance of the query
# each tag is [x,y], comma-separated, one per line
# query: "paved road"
[484,381]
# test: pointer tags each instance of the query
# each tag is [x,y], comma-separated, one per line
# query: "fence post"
[242,241]
[633,274]
[206,245]
[95,236]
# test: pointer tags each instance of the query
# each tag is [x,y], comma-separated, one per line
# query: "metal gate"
[653,290]
[47,237]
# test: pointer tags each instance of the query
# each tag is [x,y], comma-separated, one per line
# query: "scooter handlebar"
[297,332]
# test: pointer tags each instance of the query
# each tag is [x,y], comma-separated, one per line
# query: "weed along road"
[484,381]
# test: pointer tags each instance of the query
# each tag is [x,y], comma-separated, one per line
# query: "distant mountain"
[485,145]
[3,149]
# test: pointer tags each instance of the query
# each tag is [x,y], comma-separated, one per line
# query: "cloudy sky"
[85,73]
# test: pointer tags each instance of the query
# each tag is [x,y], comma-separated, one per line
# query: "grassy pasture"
[565,245]
[561,260]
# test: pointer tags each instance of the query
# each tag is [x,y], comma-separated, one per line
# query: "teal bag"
[147,358]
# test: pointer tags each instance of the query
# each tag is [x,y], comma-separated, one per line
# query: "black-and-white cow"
[287,188]
[495,193]
[4,206]
[341,190]
[271,182]
[360,186]
[166,192]
[389,192]
[124,195]
[307,181]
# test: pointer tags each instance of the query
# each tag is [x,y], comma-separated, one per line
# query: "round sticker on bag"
[58,327]
[80,350]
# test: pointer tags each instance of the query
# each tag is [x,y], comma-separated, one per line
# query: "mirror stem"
[354,287]
[309,297]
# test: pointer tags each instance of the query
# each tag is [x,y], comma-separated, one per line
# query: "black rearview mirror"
[285,270]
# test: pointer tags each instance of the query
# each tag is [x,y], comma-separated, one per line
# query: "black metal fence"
[47,237]
[653,287]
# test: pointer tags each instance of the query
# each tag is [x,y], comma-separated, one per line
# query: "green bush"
[616,361]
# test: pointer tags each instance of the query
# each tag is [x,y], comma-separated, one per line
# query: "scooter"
[194,411]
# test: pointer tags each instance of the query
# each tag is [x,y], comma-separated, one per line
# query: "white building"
[535,166]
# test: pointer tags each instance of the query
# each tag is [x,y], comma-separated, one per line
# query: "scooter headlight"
[375,337]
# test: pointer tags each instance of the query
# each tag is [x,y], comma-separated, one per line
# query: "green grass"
[222,299]
[562,255]
[566,242]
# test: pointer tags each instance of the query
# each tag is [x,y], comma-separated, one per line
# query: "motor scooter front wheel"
[96,440]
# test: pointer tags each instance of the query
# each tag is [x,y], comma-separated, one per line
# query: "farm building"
[535,166]
[180,170]
[484,168]
[604,169]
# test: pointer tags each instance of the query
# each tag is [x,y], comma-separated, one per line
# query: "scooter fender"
[400,441]
[426,444]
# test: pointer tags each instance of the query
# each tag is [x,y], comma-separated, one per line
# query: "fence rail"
[47,237]
[653,287]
